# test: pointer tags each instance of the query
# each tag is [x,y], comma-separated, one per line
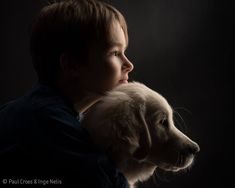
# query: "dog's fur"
[134,125]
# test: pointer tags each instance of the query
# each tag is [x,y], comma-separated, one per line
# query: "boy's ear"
[68,64]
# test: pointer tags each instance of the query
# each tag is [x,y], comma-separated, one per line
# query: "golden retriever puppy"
[134,126]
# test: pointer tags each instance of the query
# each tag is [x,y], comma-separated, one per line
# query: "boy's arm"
[68,152]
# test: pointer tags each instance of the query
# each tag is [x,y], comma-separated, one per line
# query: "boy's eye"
[116,53]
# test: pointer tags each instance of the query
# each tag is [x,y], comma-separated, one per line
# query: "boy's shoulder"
[38,98]
[36,108]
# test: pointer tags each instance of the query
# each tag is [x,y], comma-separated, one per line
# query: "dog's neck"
[135,171]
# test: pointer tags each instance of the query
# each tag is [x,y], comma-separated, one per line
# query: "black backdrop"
[181,48]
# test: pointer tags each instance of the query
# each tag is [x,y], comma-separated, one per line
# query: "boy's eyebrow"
[112,44]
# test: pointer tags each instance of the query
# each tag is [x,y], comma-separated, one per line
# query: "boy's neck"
[78,97]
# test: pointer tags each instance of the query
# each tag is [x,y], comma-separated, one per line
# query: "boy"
[78,50]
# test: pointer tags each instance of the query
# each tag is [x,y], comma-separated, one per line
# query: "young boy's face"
[110,67]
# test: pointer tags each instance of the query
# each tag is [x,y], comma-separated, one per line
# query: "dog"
[134,125]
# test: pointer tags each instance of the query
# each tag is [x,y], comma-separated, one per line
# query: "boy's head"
[72,27]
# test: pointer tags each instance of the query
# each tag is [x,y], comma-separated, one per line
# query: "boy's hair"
[72,27]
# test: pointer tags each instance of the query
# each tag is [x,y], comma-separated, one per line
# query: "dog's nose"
[194,149]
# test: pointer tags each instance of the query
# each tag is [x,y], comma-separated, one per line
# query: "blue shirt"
[41,138]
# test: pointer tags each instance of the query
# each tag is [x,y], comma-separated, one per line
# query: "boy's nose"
[128,66]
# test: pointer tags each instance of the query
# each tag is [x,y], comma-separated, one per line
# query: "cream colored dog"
[134,125]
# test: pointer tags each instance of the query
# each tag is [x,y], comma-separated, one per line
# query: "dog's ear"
[145,142]
[117,124]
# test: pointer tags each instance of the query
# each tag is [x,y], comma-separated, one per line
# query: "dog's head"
[135,122]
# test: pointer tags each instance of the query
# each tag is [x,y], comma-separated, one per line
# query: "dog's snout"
[193,149]
[197,148]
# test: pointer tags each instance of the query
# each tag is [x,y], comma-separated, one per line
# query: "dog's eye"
[163,122]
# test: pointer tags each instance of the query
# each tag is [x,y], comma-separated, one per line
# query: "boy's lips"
[123,81]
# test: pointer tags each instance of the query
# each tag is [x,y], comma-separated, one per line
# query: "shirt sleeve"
[63,149]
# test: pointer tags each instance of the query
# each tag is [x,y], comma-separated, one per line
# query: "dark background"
[180,48]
